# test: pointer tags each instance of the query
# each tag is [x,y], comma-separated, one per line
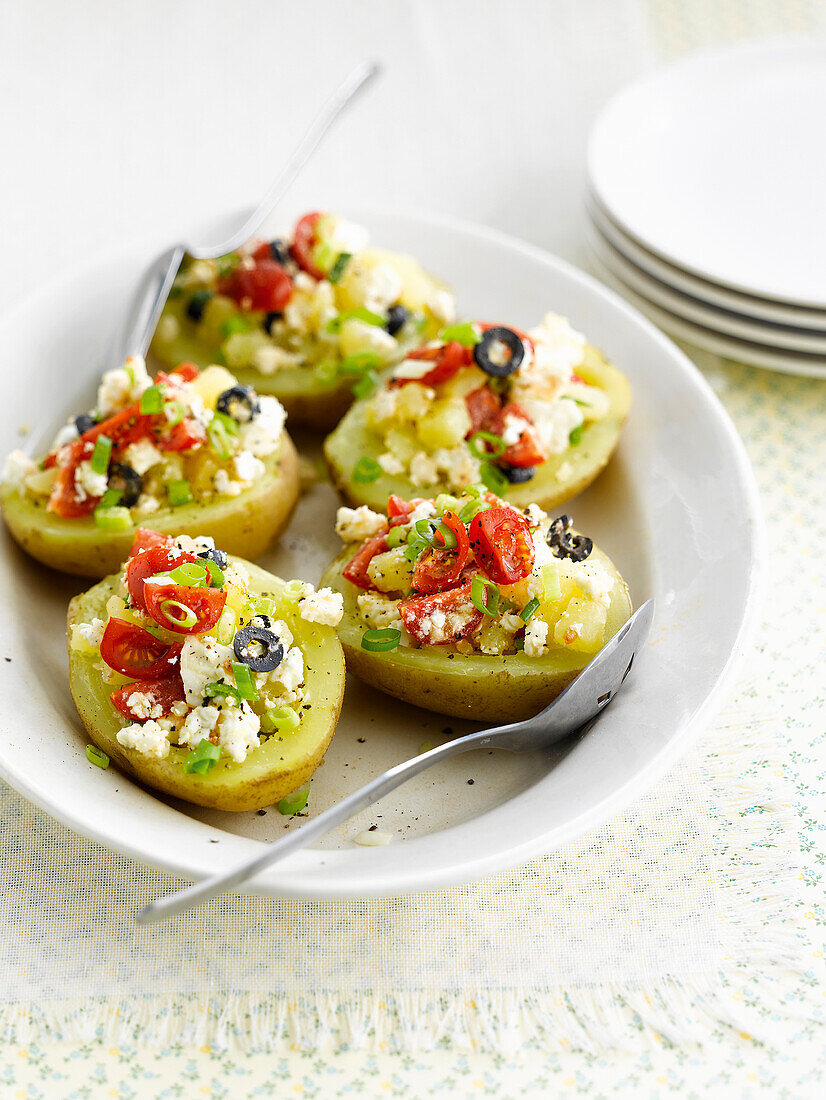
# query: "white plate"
[760,309]
[677,510]
[756,355]
[774,337]
[715,163]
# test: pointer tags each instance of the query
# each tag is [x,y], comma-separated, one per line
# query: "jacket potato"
[167,752]
[491,628]
[229,474]
[304,319]
[533,433]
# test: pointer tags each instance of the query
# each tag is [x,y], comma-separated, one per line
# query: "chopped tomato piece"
[502,544]
[160,694]
[398,510]
[527,450]
[65,500]
[356,569]
[437,570]
[155,559]
[187,371]
[133,651]
[461,617]
[182,609]
[304,240]
[483,406]
[145,538]
[265,286]
[182,437]
[447,359]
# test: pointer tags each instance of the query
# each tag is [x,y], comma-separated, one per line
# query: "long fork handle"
[179,902]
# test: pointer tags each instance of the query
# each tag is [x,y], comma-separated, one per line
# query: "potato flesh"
[272,771]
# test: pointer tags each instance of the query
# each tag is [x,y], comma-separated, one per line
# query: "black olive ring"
[518,475]
[566,545]
[273,653]
[128,483]
[216,555]
[514,344]
[84,423]
[239,402]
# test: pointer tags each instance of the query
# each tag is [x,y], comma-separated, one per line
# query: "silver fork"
[585,698]
[154,287]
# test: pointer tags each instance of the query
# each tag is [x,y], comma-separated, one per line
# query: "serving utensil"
[582,701]
[153,289]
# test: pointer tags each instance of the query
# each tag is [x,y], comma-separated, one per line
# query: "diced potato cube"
[391,571]
[464,382]
[492,639]
[239,349]
[359,336]
[414,400]
[211,383]
[42,483]
[446,424]
[402,443]
[581,626]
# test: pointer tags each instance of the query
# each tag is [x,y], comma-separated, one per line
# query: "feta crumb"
[324,606]
[423,510]
[199,724]
[89,633]
[357,524]
[67,434]
[203,661]
[536,636]
[224,486]
[123,386]
[553,422]
[290,672]
[270,358]
[262,435]
[196,545]
[238,731]
[144,706]
[423,470]
[390,464]
[535,515]
[247,467]
[142,455]
[92,484]
[378,611]
[564,471]
[442,304]
[16,469]
[150,738]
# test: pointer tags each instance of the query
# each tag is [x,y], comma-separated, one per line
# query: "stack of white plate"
[707,200]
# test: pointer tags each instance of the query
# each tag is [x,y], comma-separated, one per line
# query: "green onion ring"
[190,618]
[484,596]
[528,611]
[381,641]
[494,441]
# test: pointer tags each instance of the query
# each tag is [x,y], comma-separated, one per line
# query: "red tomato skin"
[483,406]
[64,499]
[122,646]
[163,693]
[304,239]
[526,451]
[416,608]
[447,360]
[398,510]
[145,538]
[265,286]
[356,569]
[502,544]
[156,559]
[182,437]
[437,570]
[206,603]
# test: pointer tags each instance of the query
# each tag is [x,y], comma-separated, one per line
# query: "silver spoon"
[583,699]
[154,287]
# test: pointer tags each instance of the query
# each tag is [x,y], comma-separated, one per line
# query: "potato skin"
[475,686]
[248,523]
[271,772]
[352,439]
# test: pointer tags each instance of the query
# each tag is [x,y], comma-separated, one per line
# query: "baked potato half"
[280,765]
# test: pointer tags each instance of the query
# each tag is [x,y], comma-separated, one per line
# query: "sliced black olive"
[84,422]
[264,621]
[197,304]
[258,648]
[491,343]
[216,555]
[516,475]
[396,317]
[128,483]
[566,545]
[280,252]
[270,319]
[240,402]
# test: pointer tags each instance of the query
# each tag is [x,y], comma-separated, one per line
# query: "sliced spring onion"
[366,470]
[366,385]
[244,681]
[358,314]
[101,454]
[216,573]
[260,605]
[192,574]
[528,611]
[359,363]
[395,537]
[226,626]
[444,502]
[233,325]
[493,478]
[202,758]
[381,641]
[326,371]
[295,802]
[110,498]
[225,264]
[97,757]
[152,400]
[576,435]
[179,493]
[477,490]
[113,519]
[496,445]
[222,432]
[484,596]
[174,412]
[292,594]
[466,334]
[551,587]
[215,691]
[280,720]
[179,614]
[338,268]
[415,546]
[436,533]
[473,508]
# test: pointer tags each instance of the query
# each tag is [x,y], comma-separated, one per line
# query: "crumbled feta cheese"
[262,435]
[413,368]
[270,358]
[536,636]
[150,738]
[143,706]
[378,611]
[16,469]
[290,672]
[440,627]
[92,484]
[224,485]
[442,304]
[458,466]
[423,510]
[247,467]
[200,722]
[147,504]
[511,623]
[515,428]
[553,422]
[594,581]
[142,455]
[564,471]
[384,405]
[324,606]
[535,515]
[390,464]
[238,731]
[559,349]
[89,633]
[203,661]
[423,470]
[378,286]
[123,386]
[358,336]
[357,524]
[66,434]
[196,545]
[343,235]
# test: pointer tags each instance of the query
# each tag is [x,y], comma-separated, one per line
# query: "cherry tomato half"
[356,569]
[159,693]
[157,559]
[265,286]
[527,450]
[502,544]
[304,240]
[447,359]
[437,570]
[174,605]
[65,500]
[145,538]
[483,406]
[133,651]
[416,610]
